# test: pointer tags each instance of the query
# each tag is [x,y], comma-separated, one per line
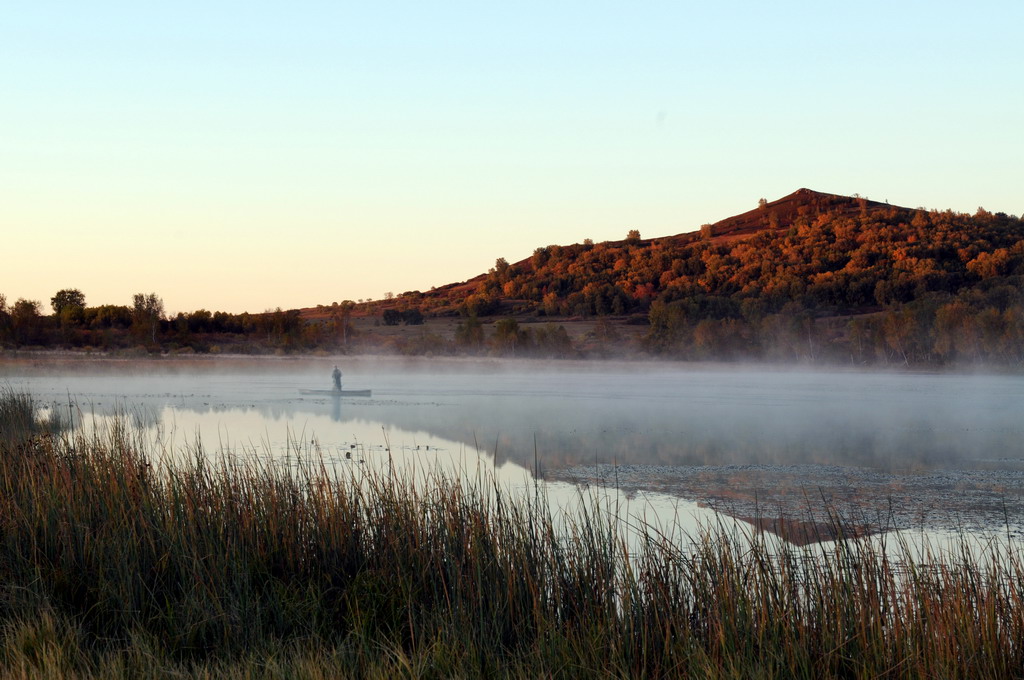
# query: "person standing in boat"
[336,376]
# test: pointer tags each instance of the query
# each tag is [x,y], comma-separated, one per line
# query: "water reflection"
[889,423]
[760,440]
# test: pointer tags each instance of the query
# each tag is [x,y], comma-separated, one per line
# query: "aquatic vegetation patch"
[118,562]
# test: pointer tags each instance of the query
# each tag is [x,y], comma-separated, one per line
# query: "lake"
[896,450]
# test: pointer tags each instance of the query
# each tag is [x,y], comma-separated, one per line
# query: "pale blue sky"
[244,156]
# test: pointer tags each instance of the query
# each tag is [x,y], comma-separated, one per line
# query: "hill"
[553,277]
[805,275]
[810,277]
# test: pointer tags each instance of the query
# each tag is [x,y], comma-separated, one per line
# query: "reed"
[18,417]
[118,562]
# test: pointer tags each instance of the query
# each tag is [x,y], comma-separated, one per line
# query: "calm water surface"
[511,417]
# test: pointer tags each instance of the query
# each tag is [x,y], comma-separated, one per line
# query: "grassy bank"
[115,564]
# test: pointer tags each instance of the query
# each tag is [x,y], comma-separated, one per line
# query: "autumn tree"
[25,321]
[108,316]
[340,316]
[147,312]
[508,337]
[898,328]
[552,341]
[501,270]
[69,307]
[955,331]
[540,257]
[479,304]
[469,333]
[5,319]
[67,298]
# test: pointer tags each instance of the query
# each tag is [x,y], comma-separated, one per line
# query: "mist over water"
[652,422]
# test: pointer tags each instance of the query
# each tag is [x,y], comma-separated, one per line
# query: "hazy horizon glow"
[241,157]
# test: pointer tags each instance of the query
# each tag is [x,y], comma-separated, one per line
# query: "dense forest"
[810,277]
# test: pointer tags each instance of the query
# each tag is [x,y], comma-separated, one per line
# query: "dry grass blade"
[118,563]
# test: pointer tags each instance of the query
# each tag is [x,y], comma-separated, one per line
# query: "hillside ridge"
[810,277]
[776,215]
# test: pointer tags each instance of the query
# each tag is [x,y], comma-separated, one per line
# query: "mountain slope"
[807,276]
[826,252]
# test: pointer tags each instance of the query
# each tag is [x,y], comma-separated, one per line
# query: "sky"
[244,156]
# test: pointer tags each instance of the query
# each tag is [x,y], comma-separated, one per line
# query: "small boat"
[339,393]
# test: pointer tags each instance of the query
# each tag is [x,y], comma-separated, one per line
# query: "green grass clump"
[117,564]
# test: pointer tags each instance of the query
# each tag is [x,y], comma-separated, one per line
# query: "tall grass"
[115,563]
[19,418]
